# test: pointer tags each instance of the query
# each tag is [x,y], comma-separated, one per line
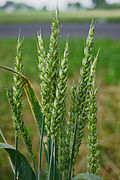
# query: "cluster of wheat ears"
[64,135]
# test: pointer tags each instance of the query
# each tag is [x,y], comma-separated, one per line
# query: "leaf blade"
[87,176]
[32,98]
[24,169]
[34,104]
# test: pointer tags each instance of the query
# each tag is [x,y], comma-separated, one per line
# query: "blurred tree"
[44,8]
[16,6]
[8,3]
[99,3]
[76,5]
[70,5]
[104,5]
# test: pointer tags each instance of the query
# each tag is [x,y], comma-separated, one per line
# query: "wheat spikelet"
[49,72]
[15,97]
[59,109]
[93,165]
[80,100]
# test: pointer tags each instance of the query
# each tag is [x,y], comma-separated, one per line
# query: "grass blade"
[87,176]
[24,169]
[34,104]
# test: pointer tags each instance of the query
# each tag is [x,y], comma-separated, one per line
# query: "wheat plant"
[64,130]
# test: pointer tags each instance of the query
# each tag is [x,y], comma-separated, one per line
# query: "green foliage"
[34,103]
[87,176]
[76,5]
[99,3]
[111,15]
[24,169]
[64,136]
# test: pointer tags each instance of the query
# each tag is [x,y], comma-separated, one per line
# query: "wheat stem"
[72,153]
[40,154]
[51,159]
[34,166]
[54,173]
[16,153]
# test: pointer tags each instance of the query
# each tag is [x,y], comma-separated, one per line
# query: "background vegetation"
[67,16]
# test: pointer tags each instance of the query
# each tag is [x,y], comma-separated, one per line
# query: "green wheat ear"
[79,100]
[60,97]
[93,165]
[48,65]
[59,108]
[41,55]
[15,98]
[71,123]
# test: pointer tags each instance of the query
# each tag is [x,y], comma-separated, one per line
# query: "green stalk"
[35,169]
[72,153]
[51,159]
[45,151]
[40,155]
[54,168]
[16,150]
[49,147]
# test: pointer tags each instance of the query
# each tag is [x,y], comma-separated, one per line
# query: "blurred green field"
[108,62]
[108,79]
[67,16]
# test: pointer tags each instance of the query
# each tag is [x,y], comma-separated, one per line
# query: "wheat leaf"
[32,98]
[24,169]
[86,176]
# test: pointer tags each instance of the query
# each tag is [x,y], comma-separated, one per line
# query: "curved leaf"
[32,99]
[24,169]
[87,176]
[34,104]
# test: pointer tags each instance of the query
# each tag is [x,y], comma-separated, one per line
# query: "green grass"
[108,63]
[68,16]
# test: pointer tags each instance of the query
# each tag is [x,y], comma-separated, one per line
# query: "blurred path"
[110,30]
